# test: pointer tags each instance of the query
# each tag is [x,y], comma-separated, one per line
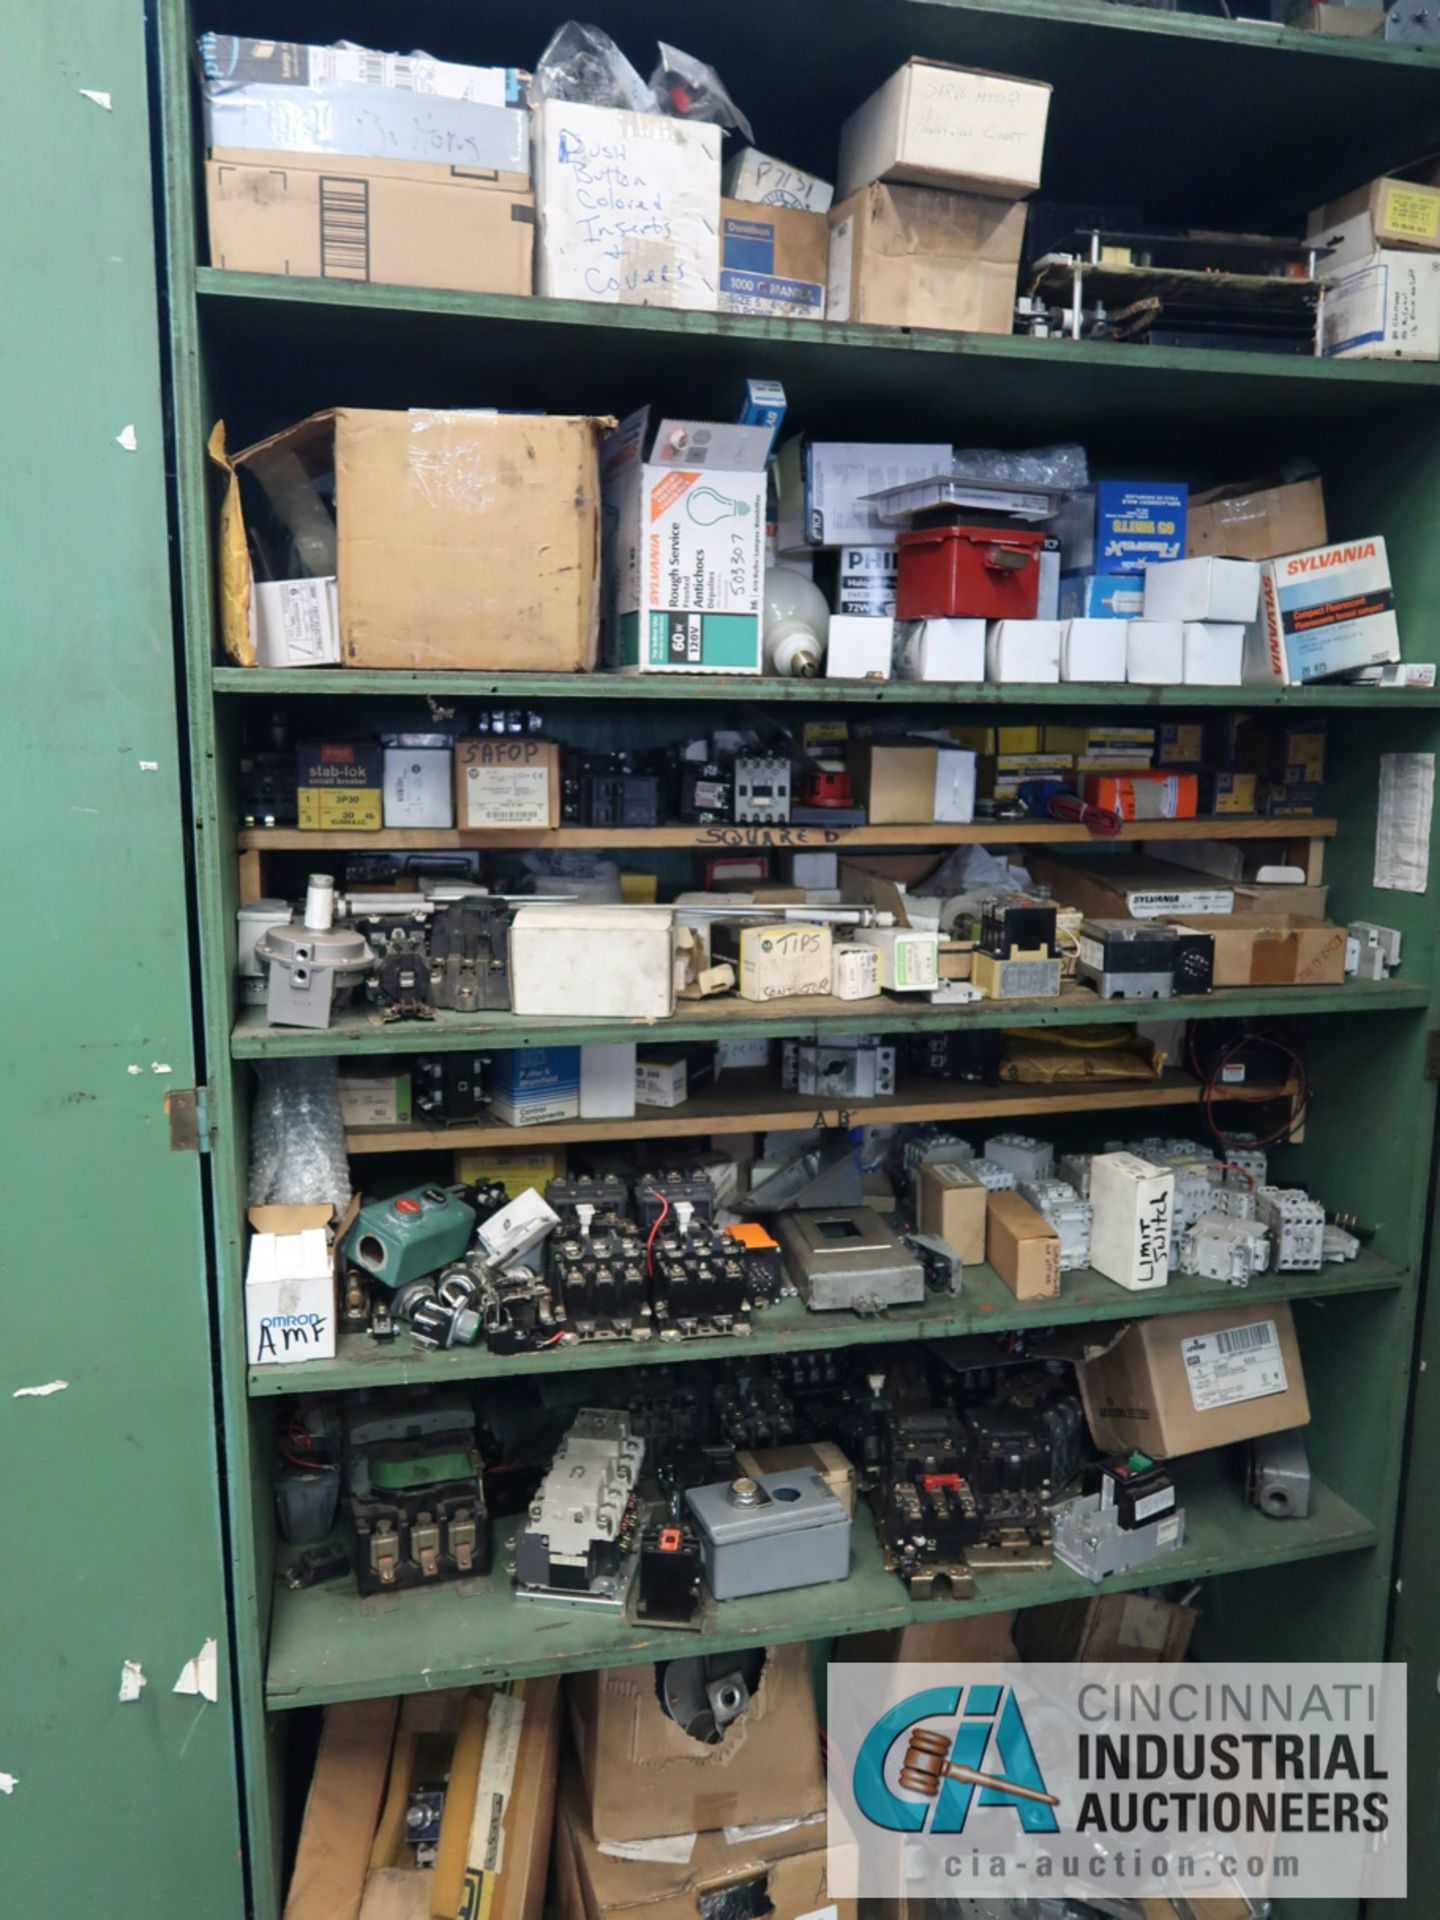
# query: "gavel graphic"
[926,1768]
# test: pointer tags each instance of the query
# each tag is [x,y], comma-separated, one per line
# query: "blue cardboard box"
[1139,522]
[531,1086]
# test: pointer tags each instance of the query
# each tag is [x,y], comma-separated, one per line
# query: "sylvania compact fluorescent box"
[1326,611]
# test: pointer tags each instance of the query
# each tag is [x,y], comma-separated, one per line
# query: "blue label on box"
[1138,522]
[526,1073]
[764,287]
[750,245]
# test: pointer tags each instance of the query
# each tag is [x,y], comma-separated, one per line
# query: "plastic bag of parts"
[687,89]
[1065,469]
[582,877]
[584,64]
[297,1136]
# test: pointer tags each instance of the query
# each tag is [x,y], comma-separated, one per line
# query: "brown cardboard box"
[1398,213]
[773,260]
[384,220]
[503,781]
[820,1456]
[896,784]
[1274,950]
[984,1638]
[1354,23]
[587,1884]
[1023,1247]
[919,257]
[464,540]
[952,1205]
[350,1819]
[1112,1626]
[1143,1391]
[644,1777]
[1257,519]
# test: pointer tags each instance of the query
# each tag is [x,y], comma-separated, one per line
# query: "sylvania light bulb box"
[683,545]
[1326,611]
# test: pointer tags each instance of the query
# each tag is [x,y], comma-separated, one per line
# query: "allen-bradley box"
[684,546]
[1325,611]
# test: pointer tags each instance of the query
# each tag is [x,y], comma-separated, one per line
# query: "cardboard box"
[339,786]
[459,540]
[601,962]
[773,261]
[1179,743]
[775,961]
[1323,612]
[644,1777]
[1023,650]
[1134,1205]
[1022,1247]
[825,488]
[295,623]
[420,786]
[859,646]
[983,1639]
[854,972]
[1137,523]
[662,1082]
[759,180]
[1226,790]
[952,1205]
[685,546]
[1111,1626]
[1101,596]
[290,1286]
[1389,213]
[945,650]
[935,125]
[342,121]
[531,1086]
[1276,950]
[914,784]
[1202,588]
[1094,650]
[517,1173]
[608,1082]
[1289,751]
[855,580]
[503,781]
[1183,1383]
[909,960]
[229,60]
[1155,652]
[997,740]
[629,207]
[1357,24]
[1127,887]
[342,1810]
[1387,307]
[1146,793]
[405,225]
[1257,519]
[375,1099]
[1213,654]
[912,257]
[821,1456]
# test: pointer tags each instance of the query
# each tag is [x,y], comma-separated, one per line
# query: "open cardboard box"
[1273,950]
[292,1281]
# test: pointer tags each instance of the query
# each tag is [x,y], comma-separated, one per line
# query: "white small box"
[766,182]
[419,786]
[605,962]
[1095,650]
[518,1227]
[1023,650]
[1385,308]
[375,1099]
[295,623]
[663,1083]
[854,972]
[1134,1204]
[290,1298]
[1203,589]
[1155,652]
[946,650]
[909,960]
[741,1056]
[818,870]
[1214,653]
[860,647]
[607,1082]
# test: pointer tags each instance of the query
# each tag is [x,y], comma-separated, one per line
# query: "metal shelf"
[327,1644]
[986,1306]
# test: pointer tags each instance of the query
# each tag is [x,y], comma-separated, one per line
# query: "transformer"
[417,1503]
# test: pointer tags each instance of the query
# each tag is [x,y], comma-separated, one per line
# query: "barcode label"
[344,228]
[1234,1364]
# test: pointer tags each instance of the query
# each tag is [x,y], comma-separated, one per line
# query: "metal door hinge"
[188,1111]
[1432,1055]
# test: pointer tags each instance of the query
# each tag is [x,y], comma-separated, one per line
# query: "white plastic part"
[320,903]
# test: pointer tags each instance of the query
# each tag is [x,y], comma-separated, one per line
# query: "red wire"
[649,1244]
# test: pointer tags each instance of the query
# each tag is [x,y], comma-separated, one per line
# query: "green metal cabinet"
[114,1549]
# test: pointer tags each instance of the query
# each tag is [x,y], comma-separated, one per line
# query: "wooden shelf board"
[985,1306]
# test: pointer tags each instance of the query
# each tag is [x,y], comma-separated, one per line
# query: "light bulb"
[707,508]
[797,623]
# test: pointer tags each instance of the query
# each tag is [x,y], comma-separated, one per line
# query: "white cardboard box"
[1095,650]
[1023,650]
[1328,610]
[628,206]
[854,972]
[1134,1206]
[909,960]
[940,650]
[290,1298]
[1384,308]
[1205,588]
[1214,653]
[824,488]
[811,870]
[597,962]
[1155,652]
[607,1082]
[661,1083]
[766,182]
[295,623]
[860,647]
[375,1099]
[419,787]
[942,126]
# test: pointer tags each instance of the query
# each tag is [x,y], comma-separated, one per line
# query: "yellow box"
[1181,744]
[991,740]
[514,1171]
[340,809]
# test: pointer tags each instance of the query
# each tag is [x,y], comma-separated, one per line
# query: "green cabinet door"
[112,1551]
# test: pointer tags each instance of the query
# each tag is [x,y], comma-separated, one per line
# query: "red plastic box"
[975,573]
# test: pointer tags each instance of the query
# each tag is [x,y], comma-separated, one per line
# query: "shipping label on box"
[629,207]
[339,786]
[1234,1364]
[772,260]
[1138,522]
[685,557]
[504,782]
[1323,612]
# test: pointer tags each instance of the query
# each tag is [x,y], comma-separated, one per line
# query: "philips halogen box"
[1323,612]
